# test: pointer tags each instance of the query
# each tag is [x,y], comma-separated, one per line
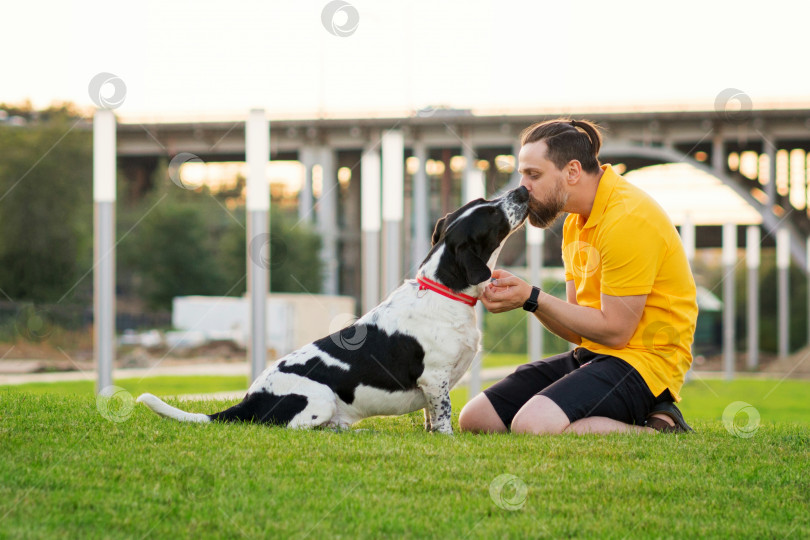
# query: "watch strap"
[530,305]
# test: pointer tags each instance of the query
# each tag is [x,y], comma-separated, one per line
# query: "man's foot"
[667,418]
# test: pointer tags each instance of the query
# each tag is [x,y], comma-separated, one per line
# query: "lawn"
[67,471]
[172,385]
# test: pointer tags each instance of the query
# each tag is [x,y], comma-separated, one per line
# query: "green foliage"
[294,257]
[176,255]
[186,242]
[45,207]
[768,298]
[768,303]
[508,332]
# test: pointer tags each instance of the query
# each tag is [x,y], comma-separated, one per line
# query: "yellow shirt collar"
[603,191]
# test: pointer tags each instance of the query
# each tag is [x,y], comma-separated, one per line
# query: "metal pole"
[257,154]
[783,301]
[752,259]
[688,241]
[104,168]
[393,180]
[688,238]
[474,188]
[807,273]
[535,238]
[729,258]
[370,208]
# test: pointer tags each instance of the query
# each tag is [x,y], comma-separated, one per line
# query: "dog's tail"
[165,410]
[260,407]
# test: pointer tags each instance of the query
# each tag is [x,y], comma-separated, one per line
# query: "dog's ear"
[438,230]
[475,269]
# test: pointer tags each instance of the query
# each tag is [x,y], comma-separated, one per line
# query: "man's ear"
[475,269]
[574,171]
[438,230]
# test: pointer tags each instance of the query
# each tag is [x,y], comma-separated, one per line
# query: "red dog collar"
[425,283]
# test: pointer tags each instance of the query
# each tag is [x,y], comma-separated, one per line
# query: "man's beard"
[544,214]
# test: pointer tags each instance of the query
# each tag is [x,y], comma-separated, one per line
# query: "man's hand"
[505,292]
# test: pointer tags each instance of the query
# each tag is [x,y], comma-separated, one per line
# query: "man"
[630,301]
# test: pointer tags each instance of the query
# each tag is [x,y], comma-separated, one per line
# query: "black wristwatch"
[530,305]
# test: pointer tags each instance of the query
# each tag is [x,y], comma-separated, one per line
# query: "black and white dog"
[405,354]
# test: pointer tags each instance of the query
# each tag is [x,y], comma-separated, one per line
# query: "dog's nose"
[521,194]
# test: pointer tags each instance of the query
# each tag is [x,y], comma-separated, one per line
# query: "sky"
[215,59]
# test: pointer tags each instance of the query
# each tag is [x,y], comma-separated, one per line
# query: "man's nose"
[525,183]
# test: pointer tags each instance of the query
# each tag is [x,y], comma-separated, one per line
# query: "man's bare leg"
[479,416]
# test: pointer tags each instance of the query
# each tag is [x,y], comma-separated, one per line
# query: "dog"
[405,354]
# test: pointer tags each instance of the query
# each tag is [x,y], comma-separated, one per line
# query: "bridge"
[448,143]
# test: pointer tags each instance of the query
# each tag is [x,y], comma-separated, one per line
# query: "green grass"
[160,386]
[170,385]
[67,472]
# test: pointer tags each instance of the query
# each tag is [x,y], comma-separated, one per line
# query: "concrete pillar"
[729,259]
[421,206]
[752,260]
[327,208]
[469,155]
[718,153]
[769,149]
[257,154]
[307,156]
[535,238]
[515,180]
[370,207]
[393,207]
[104,196]
[783,302]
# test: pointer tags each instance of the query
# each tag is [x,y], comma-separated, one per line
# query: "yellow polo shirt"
[628,246]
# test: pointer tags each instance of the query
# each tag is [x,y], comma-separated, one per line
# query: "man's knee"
[478,415]
[540,415]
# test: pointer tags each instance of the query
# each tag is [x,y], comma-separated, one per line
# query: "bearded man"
[630,301]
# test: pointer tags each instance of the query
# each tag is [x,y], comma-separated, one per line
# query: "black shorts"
[582,383]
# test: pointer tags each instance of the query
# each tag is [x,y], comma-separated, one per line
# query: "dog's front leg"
[440,414]
[428,423]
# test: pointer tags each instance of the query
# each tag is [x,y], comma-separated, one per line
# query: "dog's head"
[466,243]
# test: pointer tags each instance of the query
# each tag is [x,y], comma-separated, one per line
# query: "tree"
[173,253]
[294,257]
[45,205]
